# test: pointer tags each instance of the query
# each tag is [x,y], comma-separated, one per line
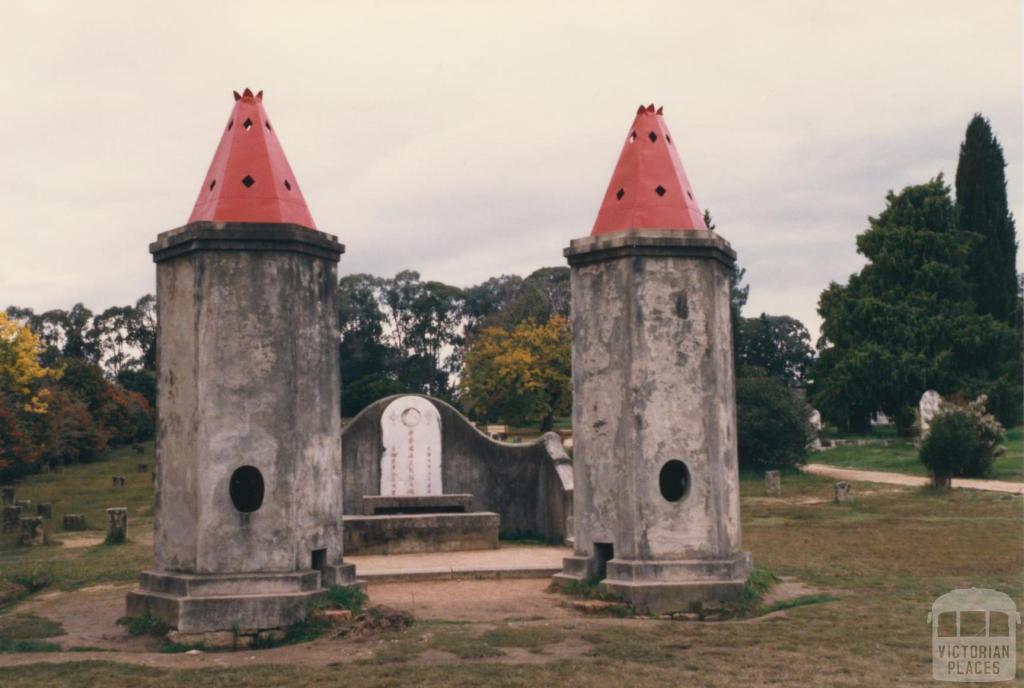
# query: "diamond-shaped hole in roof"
[249,181]
[287,185]
[619,194]
[660,190]
[653,137]
[632,136]
[213,183]
[247,124]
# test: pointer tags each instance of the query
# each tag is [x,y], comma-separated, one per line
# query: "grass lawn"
[878,563]
[86,489]
[902,458]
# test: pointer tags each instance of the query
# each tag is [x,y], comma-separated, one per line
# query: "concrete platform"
[377,505]
[200,603]
[417,533]
[508,561]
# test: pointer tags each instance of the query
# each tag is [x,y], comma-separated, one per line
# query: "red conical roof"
[649,188]
[250,180]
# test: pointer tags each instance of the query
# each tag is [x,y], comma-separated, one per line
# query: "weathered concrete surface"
[408,533]
[248,377]
[528,485]
[652,383]
[423,504]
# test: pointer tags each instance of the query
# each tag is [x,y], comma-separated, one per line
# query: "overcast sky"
[470,139]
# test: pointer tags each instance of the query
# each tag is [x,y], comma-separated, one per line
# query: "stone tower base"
[659,587]
[197,603]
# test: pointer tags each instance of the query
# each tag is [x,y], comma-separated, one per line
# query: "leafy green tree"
[906,322]
[776,346]
[773,426]
[362,348]
[982,209]
[367,390]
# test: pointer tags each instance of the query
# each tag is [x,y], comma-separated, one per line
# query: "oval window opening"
[246,489]
[674,480]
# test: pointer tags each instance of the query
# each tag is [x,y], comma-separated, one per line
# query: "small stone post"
[12,516]
[31,530]
[117,525]
[844,491]
[44,510]
[74,522]
[773,483]
[7,495]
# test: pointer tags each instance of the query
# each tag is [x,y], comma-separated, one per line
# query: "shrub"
[773,424]
[962,442]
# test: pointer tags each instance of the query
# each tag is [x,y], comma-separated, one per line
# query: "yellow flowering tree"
[21,374]
[519,374]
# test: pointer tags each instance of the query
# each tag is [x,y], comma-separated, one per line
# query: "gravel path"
[909,480]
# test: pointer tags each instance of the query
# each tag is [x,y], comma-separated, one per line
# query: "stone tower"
[656,498]
[248,483]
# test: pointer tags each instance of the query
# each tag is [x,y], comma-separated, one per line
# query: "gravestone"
[32,530]
[117,525]
[12,517]
[927,408]
[773,483]
[411,461]
[74,522]
[815,421]
[844,491]
[118,481]
[7,495]
[44,510]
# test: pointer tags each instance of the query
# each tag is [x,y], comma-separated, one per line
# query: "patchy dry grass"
[85,489]
[876,565]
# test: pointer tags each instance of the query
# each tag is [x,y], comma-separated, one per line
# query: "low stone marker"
[7,495]
[143,468]
[844,491]
[74,522]
[31,530]
[773,483]
[117,525]
[12,517]
[44,510]
[118,481]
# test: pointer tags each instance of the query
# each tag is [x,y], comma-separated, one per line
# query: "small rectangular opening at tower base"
[319,559]
[603,553]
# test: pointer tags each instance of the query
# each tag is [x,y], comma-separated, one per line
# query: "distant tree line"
[73,383]
[405,334]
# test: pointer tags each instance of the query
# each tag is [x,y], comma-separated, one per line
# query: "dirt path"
[908,480]
[89,616]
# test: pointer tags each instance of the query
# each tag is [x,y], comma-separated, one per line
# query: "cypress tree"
[982,209]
